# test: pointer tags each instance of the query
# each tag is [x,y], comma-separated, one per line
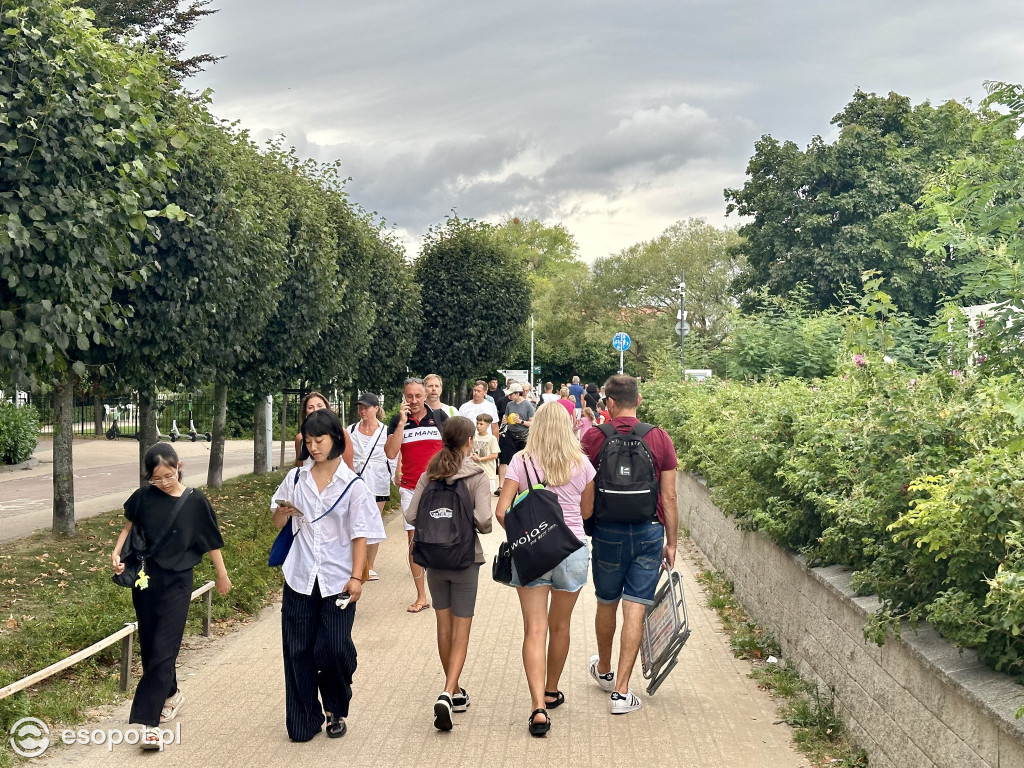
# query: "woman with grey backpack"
[450,506]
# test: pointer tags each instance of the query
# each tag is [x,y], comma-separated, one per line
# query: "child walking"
[485,449]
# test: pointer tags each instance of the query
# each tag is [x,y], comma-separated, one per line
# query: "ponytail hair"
[457,432]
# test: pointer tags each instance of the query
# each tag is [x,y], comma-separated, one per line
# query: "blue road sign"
[621,341]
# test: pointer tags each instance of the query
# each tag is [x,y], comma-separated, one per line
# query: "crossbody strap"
[369,455]
[170,521]
[350,483]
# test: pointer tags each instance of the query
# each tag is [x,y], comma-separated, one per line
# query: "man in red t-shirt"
[629,553]
[416,433]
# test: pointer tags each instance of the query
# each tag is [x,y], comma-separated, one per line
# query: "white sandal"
[172,706]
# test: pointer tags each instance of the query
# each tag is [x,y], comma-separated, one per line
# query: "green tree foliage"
[972,215]
[87,157]
[165,22]
[636,290]
[475,296]
[558,283]
[397,319]
[825,215]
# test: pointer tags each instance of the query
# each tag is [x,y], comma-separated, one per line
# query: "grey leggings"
[454,589]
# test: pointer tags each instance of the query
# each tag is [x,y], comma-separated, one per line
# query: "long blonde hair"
[552,444]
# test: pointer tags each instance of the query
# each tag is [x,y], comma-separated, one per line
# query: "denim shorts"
[627,560]
[570,575]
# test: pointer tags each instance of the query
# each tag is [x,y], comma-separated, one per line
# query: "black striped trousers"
[319,657]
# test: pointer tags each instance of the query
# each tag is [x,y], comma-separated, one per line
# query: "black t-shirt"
[500,400]
[195,529]
[590,400]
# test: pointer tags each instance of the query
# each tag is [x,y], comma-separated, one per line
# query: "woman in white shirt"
[369,460]
[334,518]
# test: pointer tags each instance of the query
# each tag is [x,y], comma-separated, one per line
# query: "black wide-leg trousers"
[162,609]
[319,657]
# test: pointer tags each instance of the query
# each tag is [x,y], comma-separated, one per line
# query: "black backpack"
[445,536]
[626,483]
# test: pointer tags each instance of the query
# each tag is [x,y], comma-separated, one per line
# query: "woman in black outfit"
[161,600]
[591,397]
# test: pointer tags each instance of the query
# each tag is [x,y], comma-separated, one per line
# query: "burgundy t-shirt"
[660,444]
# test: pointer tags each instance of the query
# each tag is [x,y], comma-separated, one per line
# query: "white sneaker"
[172,706]
[623,704]
[460,701]
[605,682]
[151,738]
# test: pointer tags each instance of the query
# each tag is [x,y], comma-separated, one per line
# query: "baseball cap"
[515,388]
[368,398]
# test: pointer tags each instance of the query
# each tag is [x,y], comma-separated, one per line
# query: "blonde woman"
[552,456]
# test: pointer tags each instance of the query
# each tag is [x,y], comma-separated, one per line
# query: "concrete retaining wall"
[915,702]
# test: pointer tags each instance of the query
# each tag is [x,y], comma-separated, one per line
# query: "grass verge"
[56,597]
[819,731]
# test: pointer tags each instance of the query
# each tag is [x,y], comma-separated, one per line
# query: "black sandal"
[539,729]
[336,727]
[558,696]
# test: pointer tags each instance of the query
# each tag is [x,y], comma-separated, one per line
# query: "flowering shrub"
[915,480]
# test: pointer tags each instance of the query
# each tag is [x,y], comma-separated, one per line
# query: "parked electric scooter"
[192,432]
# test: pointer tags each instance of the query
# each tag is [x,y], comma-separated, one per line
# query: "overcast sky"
[614,119]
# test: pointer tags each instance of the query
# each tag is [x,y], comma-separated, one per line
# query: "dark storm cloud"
[621,116]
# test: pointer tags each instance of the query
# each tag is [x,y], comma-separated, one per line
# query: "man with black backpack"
[636,523]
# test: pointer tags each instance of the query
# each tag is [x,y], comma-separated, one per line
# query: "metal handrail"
[124,635]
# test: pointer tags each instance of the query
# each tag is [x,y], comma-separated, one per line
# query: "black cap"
[368,398]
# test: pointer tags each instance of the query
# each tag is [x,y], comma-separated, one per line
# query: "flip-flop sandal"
[336,727]
[558,696]
[417,608]
[373,576]
[539,729]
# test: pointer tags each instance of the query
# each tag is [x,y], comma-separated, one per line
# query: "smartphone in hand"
[285,503]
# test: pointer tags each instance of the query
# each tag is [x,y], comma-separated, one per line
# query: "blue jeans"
[627,560]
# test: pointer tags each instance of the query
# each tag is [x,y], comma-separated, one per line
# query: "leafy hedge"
[19,428]
[916,481]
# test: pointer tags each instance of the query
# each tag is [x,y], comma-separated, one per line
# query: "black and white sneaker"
[443,712]
[460,701]
[621,704]
[607,681]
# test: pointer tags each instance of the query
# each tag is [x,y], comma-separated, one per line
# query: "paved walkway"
[708,714]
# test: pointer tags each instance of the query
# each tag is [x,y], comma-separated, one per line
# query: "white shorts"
[405,498]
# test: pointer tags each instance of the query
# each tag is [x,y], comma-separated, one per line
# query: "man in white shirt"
[480,404]
[434,386]
[549,395]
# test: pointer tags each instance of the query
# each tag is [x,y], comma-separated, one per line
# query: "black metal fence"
[119,416]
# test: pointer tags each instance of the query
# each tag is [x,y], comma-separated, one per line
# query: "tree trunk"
[97,408]
[259,434]
[215,475]
[147,428]
[63,469]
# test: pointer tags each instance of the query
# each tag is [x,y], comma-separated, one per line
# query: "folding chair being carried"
[666,629]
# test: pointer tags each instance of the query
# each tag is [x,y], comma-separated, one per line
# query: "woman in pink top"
[554,457]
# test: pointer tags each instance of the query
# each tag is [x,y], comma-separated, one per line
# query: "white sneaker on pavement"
[622,704]
[605,682]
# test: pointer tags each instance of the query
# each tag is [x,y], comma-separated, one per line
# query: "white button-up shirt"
[322,550]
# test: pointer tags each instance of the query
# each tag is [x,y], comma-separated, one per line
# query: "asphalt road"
[106,473]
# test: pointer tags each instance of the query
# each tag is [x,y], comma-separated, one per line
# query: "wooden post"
[208,600]
[126,660]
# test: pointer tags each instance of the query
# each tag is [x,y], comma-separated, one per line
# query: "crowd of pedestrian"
[608,477]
